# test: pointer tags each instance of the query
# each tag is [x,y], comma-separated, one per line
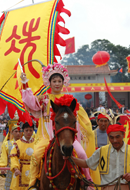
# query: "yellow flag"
[28,33]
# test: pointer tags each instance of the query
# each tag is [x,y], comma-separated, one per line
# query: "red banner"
[70,45]
[128,60]
[117,103]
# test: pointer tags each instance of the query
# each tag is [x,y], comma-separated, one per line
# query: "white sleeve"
[93,161]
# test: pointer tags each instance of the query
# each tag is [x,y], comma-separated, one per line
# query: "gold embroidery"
[39,174]
[34,161]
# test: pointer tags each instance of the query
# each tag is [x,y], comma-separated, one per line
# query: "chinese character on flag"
[32,36]
[70,45]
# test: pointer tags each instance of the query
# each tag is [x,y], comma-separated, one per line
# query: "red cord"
[45,166]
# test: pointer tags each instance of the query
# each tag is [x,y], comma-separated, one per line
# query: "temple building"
[89,79]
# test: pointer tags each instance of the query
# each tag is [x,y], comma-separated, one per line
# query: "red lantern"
[88,96]
[101,58]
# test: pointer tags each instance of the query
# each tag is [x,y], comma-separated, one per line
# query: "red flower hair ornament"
[64,101]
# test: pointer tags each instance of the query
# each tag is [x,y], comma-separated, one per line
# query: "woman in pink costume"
[55,76]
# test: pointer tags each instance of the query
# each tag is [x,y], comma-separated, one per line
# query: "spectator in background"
[2,124]
[122,109]
[126,112]
[1,117]
[106,110]
[101,138]
[101,108]
[94,124]
[5,121]
[117,112]
[88,111]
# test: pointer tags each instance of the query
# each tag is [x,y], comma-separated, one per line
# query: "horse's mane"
[65,109]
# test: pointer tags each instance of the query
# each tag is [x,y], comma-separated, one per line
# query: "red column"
[96,99]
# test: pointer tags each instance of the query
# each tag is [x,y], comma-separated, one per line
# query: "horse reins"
[63,128]
[90,183]
[49,172]
[87,182]
[65,162]
[45,164]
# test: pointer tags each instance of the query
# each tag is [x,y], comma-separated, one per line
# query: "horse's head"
[65,126]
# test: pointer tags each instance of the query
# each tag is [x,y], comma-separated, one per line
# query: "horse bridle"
[63,128]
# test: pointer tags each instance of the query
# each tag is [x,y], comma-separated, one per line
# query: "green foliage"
[117,60]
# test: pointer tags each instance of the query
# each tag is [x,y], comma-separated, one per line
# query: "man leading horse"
[113,159]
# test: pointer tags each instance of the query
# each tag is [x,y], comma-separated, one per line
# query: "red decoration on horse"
[55,167]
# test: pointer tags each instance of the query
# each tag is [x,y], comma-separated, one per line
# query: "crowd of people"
[100,149]
[116,111]
[4,118]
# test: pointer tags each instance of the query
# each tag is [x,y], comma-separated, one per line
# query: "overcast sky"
[92,19]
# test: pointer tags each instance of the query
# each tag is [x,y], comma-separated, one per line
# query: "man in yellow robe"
[20,159]
[6,149]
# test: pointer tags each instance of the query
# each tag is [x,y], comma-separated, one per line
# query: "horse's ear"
[54,106]
[73,105]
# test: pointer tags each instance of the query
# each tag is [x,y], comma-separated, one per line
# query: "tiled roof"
[89,70]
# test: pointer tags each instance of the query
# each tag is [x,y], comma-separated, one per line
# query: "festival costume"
[43,142]
[20,159]
[5,155]
[101,138]
[45,128]
[5,161]
[112,163]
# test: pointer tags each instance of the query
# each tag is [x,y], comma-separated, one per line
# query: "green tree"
[117,60]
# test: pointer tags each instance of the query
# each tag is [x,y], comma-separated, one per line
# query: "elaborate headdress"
[16,126]
[52,69]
